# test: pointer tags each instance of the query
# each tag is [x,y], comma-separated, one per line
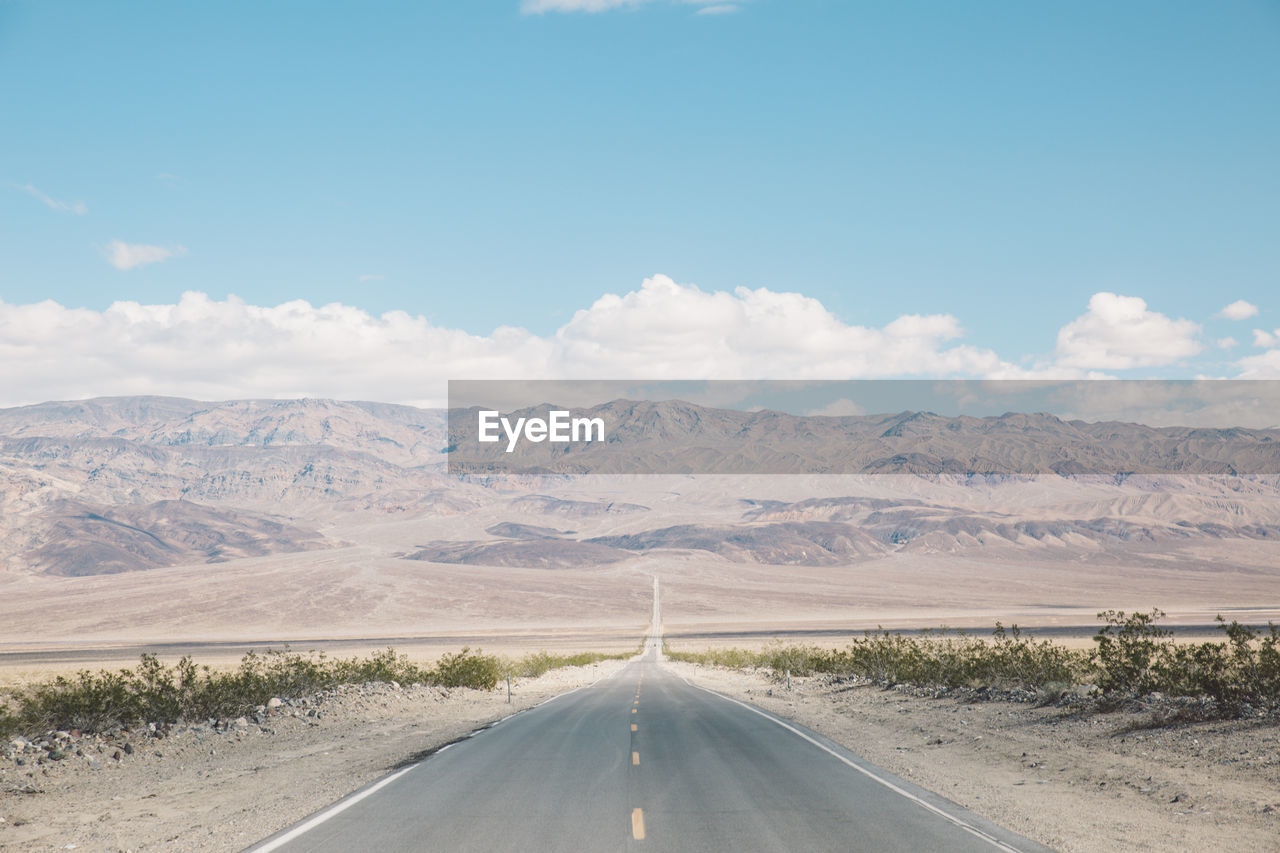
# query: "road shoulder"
[1071,783]
[200,788]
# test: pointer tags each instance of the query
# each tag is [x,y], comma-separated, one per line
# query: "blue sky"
[483,164]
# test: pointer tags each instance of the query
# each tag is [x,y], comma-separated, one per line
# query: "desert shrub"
[1127,654]
[1135,657]
[86,701]
[798,660]
[155,693]
[728,658]
[468,669]
[1008,660]
[538,663]
[385,666]
[9,724]
[1239,672]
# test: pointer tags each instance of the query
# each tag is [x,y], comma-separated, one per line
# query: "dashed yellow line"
[634,727]
[637,824]
[634,710]
[635,758]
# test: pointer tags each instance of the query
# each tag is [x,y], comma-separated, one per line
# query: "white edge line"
[335,809]
[864,771]
[343,805]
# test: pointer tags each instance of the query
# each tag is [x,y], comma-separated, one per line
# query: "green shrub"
[1128,650]
[156,693]
[9,724]
[538,663]
[468,669]
[1134,657]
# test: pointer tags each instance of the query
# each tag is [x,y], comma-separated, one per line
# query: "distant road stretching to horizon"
[642,760]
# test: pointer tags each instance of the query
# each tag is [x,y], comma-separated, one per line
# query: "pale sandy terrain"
[362,587]
[332,526]
[1072,783]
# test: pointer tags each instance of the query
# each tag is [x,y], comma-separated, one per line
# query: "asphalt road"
[644,761]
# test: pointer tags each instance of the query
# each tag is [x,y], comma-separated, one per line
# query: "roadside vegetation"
[1133,658]
[154,692]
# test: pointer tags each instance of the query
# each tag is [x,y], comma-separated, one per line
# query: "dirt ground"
[1073,783]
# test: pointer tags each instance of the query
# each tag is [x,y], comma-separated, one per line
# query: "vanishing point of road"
[644,761]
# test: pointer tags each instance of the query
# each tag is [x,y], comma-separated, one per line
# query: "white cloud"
[126,256]
[1264,365]
[210,349]
[538,7]
[843,407]
[1227,343]
[1239,310]
[672,330]
[717,9]
[78,208]
[1119,333]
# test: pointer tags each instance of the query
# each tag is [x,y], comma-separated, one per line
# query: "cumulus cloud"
[1239,310]
[1120,333]
[126,256]
[1263,365]
[1227,343]
[78,208]
[209,349]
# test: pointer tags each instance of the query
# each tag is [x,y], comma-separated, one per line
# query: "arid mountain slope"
[119,484]
[83,539]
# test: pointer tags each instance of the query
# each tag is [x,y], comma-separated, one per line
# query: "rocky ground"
[1072,781]
[1075,782]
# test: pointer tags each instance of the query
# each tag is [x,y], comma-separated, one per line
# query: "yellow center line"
[634,727]
[635,758]
[637,824]
[634,710]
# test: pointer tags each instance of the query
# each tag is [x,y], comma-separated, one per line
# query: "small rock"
[274,702]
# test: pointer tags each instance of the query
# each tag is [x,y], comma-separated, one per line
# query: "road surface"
[644,761]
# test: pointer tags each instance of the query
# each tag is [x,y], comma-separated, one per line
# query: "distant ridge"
[674,437]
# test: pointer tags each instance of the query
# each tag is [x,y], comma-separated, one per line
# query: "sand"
[1073,783]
